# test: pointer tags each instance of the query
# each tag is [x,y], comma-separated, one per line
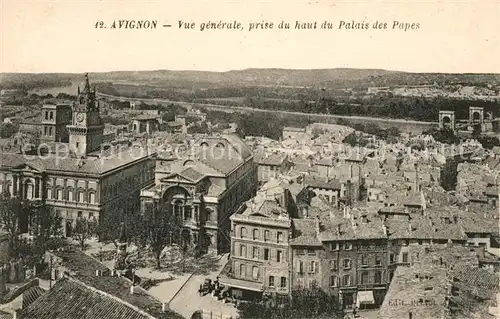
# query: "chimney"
[318,225]
[97,273]
[340,229]
[132,288]
[113,273]
[164,307]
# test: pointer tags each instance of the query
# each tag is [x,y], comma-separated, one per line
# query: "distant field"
[70,89]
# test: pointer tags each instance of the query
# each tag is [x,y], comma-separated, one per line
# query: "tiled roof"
[71,299]
[275,159]
[416,289]
[191,174]
[5,315]
[83,268]
[90,165]
[316,182]
[305,233]
[78,262]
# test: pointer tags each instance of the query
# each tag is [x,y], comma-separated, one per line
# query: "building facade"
[79,183]
[204,186]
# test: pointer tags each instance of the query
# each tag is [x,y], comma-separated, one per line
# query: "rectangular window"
[243,271]
[266,235]
[334,264]
[347,263]
[347,280]
[347,246]
[334,246]
[266,253]
[364,260]
[334,281]
[271,281]
[279,238]
[300,252]
[378,260]
[364,277]
[255,252]
[283,282]
[378,277]
[405,257]
[243,232]
[279,256]
[311,252]
[243,251]
[391,258]
[79,214]
[300,267]
[312,266]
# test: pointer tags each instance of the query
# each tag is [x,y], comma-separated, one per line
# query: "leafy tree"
[7,130]
[162,229]
[10,210]
[45,226]
[445,136]
[81,232]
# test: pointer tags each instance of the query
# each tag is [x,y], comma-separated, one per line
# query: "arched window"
[81,196]
[204,144]
[70,194]
[59,193]
[243,232]
[219,145]
[92,197]
[188,163]
[255,272]
[255,234]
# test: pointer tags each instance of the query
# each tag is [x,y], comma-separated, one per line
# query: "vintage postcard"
[249,159]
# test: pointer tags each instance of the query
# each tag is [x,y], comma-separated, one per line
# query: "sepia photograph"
[326,159]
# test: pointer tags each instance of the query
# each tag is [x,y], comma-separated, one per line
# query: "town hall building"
[84,180]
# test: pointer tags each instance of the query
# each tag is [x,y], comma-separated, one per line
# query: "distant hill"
[337,78]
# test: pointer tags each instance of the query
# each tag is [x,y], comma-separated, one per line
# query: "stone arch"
[476,114]
[447,120]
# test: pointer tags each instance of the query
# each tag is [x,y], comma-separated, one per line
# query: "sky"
[60,36]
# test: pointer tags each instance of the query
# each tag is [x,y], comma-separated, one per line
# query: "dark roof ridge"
[135,308]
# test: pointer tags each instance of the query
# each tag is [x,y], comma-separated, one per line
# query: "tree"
[45,226]
[162,228]
[81,232]
[10,210]
[7,130]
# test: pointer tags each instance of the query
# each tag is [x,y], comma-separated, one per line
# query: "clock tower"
[86,129]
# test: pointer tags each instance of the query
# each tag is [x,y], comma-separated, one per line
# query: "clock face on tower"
[79,117]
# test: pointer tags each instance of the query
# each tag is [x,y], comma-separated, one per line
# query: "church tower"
[86,129]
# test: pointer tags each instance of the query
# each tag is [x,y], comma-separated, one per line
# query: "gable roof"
[72,299]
